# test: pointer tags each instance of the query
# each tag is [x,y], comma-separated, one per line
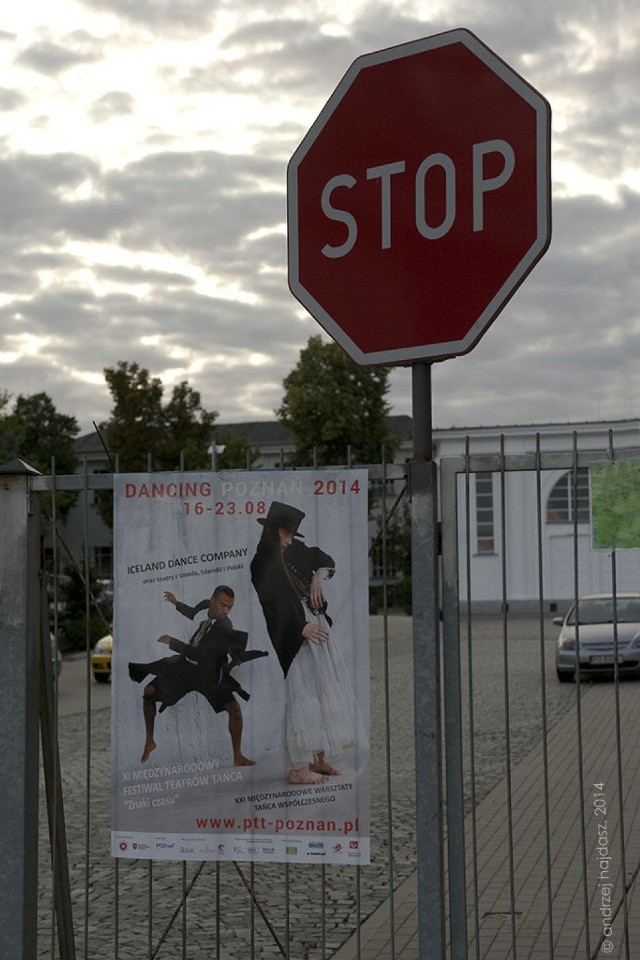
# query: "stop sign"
[419,200]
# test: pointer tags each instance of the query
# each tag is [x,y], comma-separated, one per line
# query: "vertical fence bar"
[543,698]
[507,697]
[287,912]
[218,891]
[115,468]
[618,734]
[323,910]
[453,722]
[252,876]
[116,908]
[184,910]
[358,917]
[87,605]
[19,615]
[618,738]
[576,590]
[470,687]
[150,909]
[387,714]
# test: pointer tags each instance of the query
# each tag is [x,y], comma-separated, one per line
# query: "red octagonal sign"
[419,200]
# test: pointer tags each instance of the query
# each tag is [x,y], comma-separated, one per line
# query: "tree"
[141,426]
[35,432]
[232,451]
[330,403]
[146,433]
[73,617]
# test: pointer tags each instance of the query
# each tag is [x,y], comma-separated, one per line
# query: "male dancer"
[203,665]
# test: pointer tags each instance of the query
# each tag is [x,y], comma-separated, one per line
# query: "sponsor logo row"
[236,848]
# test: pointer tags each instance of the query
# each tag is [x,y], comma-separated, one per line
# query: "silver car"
[599,622]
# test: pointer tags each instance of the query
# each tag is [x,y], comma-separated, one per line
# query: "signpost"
[418,202]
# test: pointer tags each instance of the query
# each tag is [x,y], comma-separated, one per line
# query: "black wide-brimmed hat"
[285,516]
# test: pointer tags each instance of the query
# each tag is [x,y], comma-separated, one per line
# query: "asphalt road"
[483,658]
[77,690]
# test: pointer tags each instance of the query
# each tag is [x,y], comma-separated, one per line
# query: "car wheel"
[102,677]
[565,676]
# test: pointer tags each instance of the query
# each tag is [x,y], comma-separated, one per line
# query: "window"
[485,542]
[377,564]
[102,561]
[92,494]
[569,498]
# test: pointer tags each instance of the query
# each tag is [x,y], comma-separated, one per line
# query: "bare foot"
[148,748]
[305,775]
[321,766]
[243,761]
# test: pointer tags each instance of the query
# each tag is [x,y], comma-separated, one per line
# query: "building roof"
[256,433]
[272,434]
[87,444]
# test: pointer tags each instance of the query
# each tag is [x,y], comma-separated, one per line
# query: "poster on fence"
[614,487]
[240,700]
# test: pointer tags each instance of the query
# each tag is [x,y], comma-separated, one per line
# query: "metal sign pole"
[426,673]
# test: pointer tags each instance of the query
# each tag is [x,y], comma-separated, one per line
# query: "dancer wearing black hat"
[321,713]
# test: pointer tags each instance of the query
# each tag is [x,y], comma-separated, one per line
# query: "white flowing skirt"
[321,711]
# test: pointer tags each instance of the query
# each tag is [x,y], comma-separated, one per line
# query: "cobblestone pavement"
[132,909]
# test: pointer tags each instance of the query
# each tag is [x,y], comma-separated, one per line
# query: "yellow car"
[101,659]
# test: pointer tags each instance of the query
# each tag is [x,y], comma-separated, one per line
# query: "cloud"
[177,17]
[116,103]
[11,99]
[52,58]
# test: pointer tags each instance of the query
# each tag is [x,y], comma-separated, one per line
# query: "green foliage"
[330,404]
[233,452]
[615,504]
[399,540]
[147,434]
[72,619]
[35,432]
[397,556]
[141,427]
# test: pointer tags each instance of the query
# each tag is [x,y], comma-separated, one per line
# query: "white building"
[539,550]
[502,541]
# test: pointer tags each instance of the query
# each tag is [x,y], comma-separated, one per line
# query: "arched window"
[569,498]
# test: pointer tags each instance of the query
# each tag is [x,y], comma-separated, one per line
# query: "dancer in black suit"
[202,665]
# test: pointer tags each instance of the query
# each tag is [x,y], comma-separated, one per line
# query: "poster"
[615,504]
[240,701]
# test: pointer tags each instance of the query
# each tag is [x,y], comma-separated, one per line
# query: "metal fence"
[541,780]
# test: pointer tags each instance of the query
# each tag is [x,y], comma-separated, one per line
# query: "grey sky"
[143,153]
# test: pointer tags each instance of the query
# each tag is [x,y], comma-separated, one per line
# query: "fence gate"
[543,845]
[542,778]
